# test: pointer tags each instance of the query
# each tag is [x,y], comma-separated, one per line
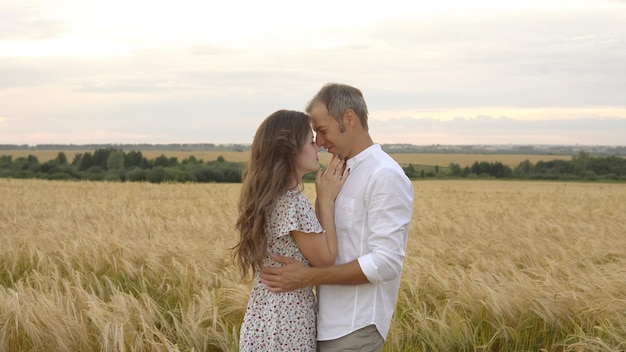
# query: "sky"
[196,71]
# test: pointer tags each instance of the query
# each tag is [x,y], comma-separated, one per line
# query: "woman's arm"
[321,249]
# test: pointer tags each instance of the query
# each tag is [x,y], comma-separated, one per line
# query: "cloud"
[209,50]
[116,67]
[519,59]
[490,130]
[24,21]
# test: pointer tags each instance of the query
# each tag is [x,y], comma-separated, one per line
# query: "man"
[356,296]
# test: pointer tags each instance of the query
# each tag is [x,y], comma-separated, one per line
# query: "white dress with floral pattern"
[283,321]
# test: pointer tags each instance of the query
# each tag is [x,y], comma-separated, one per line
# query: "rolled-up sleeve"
[389,205]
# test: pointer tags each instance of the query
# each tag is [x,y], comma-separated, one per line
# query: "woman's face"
[308,159]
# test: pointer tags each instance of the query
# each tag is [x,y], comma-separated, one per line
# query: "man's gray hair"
[338,98]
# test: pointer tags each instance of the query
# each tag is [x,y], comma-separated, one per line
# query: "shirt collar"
[355,160]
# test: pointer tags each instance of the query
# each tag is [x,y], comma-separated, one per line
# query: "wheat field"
[491,266]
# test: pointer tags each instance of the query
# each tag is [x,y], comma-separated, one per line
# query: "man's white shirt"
[372,215]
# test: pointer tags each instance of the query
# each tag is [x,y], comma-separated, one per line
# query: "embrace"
[325,278]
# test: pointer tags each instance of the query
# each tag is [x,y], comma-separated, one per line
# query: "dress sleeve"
[300,216]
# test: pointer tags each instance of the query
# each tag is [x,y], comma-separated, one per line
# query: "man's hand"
[289,277]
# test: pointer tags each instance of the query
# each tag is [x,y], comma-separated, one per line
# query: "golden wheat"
[512,266]
[491,266]
[117,266]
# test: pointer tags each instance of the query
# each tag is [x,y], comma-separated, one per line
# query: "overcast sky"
[197,71]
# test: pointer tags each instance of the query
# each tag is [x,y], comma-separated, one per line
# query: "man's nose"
[319,140]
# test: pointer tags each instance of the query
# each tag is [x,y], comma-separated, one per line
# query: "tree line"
[110,164]
[581,167]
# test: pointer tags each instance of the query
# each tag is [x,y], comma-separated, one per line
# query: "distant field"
[442,160]
[463,160]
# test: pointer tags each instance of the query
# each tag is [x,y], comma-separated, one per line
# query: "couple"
[351,246]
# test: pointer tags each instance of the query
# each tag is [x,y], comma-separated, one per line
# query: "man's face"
[329,133]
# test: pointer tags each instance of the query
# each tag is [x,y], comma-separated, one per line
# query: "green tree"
[455,169]
[6,161]
[190,160]
[156,175]
[115,161]
[410,171]
[100,157]
[525,167]
[136,174]
[86,161]
[164,161]
[49,167]
[61,158]
[135,158]
[580,163]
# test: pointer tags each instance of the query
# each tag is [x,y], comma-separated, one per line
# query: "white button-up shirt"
[372,215]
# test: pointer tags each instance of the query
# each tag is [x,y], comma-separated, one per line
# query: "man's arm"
[390,209]
[294,275]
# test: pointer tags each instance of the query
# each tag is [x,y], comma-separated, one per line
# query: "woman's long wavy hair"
[270,172]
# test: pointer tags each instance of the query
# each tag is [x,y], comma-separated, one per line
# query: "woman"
[276,218]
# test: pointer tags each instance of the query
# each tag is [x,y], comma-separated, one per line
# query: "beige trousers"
[367,339]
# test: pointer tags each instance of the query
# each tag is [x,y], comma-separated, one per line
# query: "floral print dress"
[283,321]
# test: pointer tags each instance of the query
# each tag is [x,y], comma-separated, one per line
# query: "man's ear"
[350,118]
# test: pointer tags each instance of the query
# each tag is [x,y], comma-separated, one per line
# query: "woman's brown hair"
[270,172]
